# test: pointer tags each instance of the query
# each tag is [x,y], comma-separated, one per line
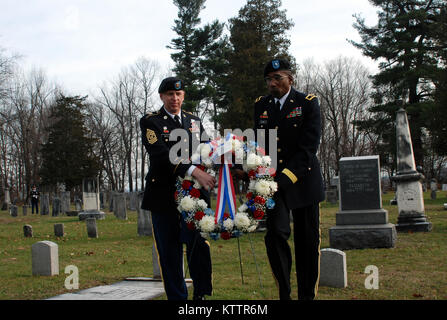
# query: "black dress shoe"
[198,298]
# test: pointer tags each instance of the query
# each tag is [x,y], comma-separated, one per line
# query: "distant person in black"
[34,194]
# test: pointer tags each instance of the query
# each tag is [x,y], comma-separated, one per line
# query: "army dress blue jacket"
[298,137]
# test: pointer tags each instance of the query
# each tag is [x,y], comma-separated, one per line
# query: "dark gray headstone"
[59,229]
[57,204]
[92,230]
[433,194]
[144,219]
[360,183]
[14,211]
[119,206]
[25,210]
[78,204]
[45,204]
[28,231]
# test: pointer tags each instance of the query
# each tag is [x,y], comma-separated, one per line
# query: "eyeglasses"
[275,77]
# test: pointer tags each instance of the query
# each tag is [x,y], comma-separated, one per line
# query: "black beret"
[276,65]
[171,83]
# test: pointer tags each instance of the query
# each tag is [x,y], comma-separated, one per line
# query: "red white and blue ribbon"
[225,194]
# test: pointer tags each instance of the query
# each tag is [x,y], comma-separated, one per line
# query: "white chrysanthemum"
[252,185]
[228,224]
[202,204]
[266,161]
[207,224]
[239,156]
[273,186]
[241,221]
[205,151]
[263,187]
[253,161]
[187,203]
[253,227]
[242,208]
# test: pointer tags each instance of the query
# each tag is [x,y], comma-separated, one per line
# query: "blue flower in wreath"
[209,212]
[270,203]
[214,235]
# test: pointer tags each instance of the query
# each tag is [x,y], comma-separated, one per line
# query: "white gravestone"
[45,258]
[90,198]
[333,272]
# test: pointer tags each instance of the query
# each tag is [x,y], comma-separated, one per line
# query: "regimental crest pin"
[178,85]
[275,64]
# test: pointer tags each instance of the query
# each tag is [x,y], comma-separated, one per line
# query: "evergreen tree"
[404,43]
[67,156]
[258,34]
[196,59]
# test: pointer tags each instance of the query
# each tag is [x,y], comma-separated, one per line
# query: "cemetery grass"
[414,269]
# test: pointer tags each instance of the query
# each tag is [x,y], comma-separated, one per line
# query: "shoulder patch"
[258,99]
[310,97]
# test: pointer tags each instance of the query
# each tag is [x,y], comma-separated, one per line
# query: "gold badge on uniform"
[151,136]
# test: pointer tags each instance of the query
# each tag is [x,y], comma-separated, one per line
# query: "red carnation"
[252,174]
[186,184]
[259,199]
[195,193]
[272,172]
[249,195]
[258,214]
[225,235]
[201,167]
[191,226]
[226,215]
[199,215]
[176,195]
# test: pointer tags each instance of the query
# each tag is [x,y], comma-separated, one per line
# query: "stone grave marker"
[65,201]
[361,221]
[333,272]
[444,187]
[119,206]
[44,204]
[25,210]
[59,229]
[410,200]
[45,258]
[144,226]
[13,210]
[78,204]
[155,264]
[28,231]
[92,229]
[90,199]
[56,210]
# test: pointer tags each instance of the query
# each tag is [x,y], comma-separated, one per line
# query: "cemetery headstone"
[45,258]
[444,187]
[144,226]
[92,229]
[28,231]
[59,229]
[90,199]
[119,206]
[56,210]
[333,272]
[7,201]
[433,194]
[361,221]
[45,204]
[25,210]
[65,201]
[78,204]
[410,200]
[14,211]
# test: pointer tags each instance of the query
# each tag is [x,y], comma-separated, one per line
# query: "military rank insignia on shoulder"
[310,97]
[258,99]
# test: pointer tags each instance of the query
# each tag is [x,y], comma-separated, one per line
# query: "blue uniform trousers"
[170,233]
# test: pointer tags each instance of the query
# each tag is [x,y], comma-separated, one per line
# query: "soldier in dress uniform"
[296,118]
[170,230]
[34,194]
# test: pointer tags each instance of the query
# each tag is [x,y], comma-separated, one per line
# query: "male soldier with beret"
[296,118]
[170,231]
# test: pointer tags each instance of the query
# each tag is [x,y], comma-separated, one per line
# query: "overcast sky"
[82,43]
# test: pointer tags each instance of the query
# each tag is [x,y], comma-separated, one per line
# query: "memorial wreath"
[216,158]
